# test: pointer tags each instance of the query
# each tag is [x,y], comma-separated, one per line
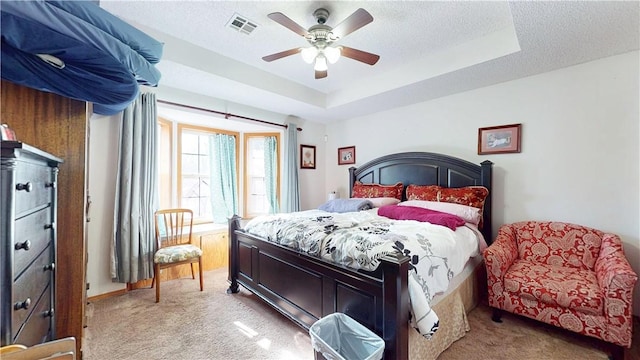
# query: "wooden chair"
[61,349]
[174,244]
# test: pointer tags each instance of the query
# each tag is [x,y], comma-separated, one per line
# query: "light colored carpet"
[520,338]
[189,324]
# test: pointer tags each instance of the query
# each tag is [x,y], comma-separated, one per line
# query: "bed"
[378,299]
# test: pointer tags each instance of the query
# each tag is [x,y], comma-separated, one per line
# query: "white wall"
[580,158]
[103,165]
[312,181]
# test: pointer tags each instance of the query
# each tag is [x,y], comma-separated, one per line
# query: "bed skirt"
[452,309]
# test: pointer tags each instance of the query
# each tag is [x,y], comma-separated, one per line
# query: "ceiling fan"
[322,38]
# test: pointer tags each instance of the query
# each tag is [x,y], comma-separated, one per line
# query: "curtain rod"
[226,115]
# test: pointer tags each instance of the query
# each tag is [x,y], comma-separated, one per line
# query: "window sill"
[201,229]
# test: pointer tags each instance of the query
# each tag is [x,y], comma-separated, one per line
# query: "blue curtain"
[271,172]
[133,241]
[224,188]
[291,191]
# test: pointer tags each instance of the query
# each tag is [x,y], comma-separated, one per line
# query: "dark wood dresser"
[28,243]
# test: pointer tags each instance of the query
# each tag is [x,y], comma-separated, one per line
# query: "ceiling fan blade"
[321,74]
[355,21]
[281,54]
[285,21]
[359,55]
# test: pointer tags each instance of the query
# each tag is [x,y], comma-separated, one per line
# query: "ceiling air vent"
[242,24]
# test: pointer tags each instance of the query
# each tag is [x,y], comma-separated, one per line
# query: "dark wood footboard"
[305,288]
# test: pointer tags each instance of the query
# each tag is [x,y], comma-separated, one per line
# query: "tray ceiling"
[427,49]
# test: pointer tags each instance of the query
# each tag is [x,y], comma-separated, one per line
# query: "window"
[193,169]
[184,169]
[258,198]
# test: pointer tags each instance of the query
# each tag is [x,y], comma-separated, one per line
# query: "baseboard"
[107,295]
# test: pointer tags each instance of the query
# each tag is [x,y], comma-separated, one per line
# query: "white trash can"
[339,337]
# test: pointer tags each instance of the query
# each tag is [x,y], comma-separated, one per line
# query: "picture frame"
[499,139]
[307,157]
[347,155]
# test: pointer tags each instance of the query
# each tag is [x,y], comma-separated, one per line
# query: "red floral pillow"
[423,192]
[469,195]
[361,190]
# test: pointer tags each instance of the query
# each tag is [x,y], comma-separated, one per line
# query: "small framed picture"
[499,139]
[307,157]
[347,155]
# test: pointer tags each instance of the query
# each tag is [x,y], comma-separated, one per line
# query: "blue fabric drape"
[291,191]
[224,188]
[78,50]
[133,242]
[271,172]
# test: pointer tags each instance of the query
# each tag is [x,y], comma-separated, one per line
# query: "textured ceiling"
[427,49]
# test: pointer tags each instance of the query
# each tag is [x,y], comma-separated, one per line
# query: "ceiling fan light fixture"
[332,54]
[321,63]
[321,37]
[309,54]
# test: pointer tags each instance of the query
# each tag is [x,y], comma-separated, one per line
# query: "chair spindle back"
[173,227]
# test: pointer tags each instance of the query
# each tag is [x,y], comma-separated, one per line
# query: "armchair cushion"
[560,286]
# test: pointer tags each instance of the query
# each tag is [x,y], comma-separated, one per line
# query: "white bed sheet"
[360,239]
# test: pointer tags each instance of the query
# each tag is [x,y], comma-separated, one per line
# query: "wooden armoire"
[59,126]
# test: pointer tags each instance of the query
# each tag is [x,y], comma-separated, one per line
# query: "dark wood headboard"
[424,168]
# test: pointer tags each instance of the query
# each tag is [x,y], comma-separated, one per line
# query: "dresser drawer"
[28,234]
[31,237]
[30,285]
[37,329]
[33,187]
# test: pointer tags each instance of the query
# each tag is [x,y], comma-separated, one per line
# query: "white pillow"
[470,214]
[382,201]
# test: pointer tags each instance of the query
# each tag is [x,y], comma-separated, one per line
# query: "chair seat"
[565,287]
[176,253]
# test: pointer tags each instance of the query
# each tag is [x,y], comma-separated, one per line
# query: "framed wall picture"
[347,155]
[307,157]
[499,139]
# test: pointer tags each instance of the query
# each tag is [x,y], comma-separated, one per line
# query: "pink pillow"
[421,214]
[470,214]
[382,201]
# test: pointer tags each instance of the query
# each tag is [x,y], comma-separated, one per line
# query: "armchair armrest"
[616,278]
[502,252]
[498,258]
[612,267]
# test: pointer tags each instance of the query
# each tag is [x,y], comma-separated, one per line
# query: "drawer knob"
[50,267]
[24,187]
[48,313]
[50,226]
[23,245]
[51,184]
[22,304]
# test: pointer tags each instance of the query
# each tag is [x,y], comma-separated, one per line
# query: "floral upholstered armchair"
[566,275]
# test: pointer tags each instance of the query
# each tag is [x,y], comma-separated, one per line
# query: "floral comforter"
[360,239]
